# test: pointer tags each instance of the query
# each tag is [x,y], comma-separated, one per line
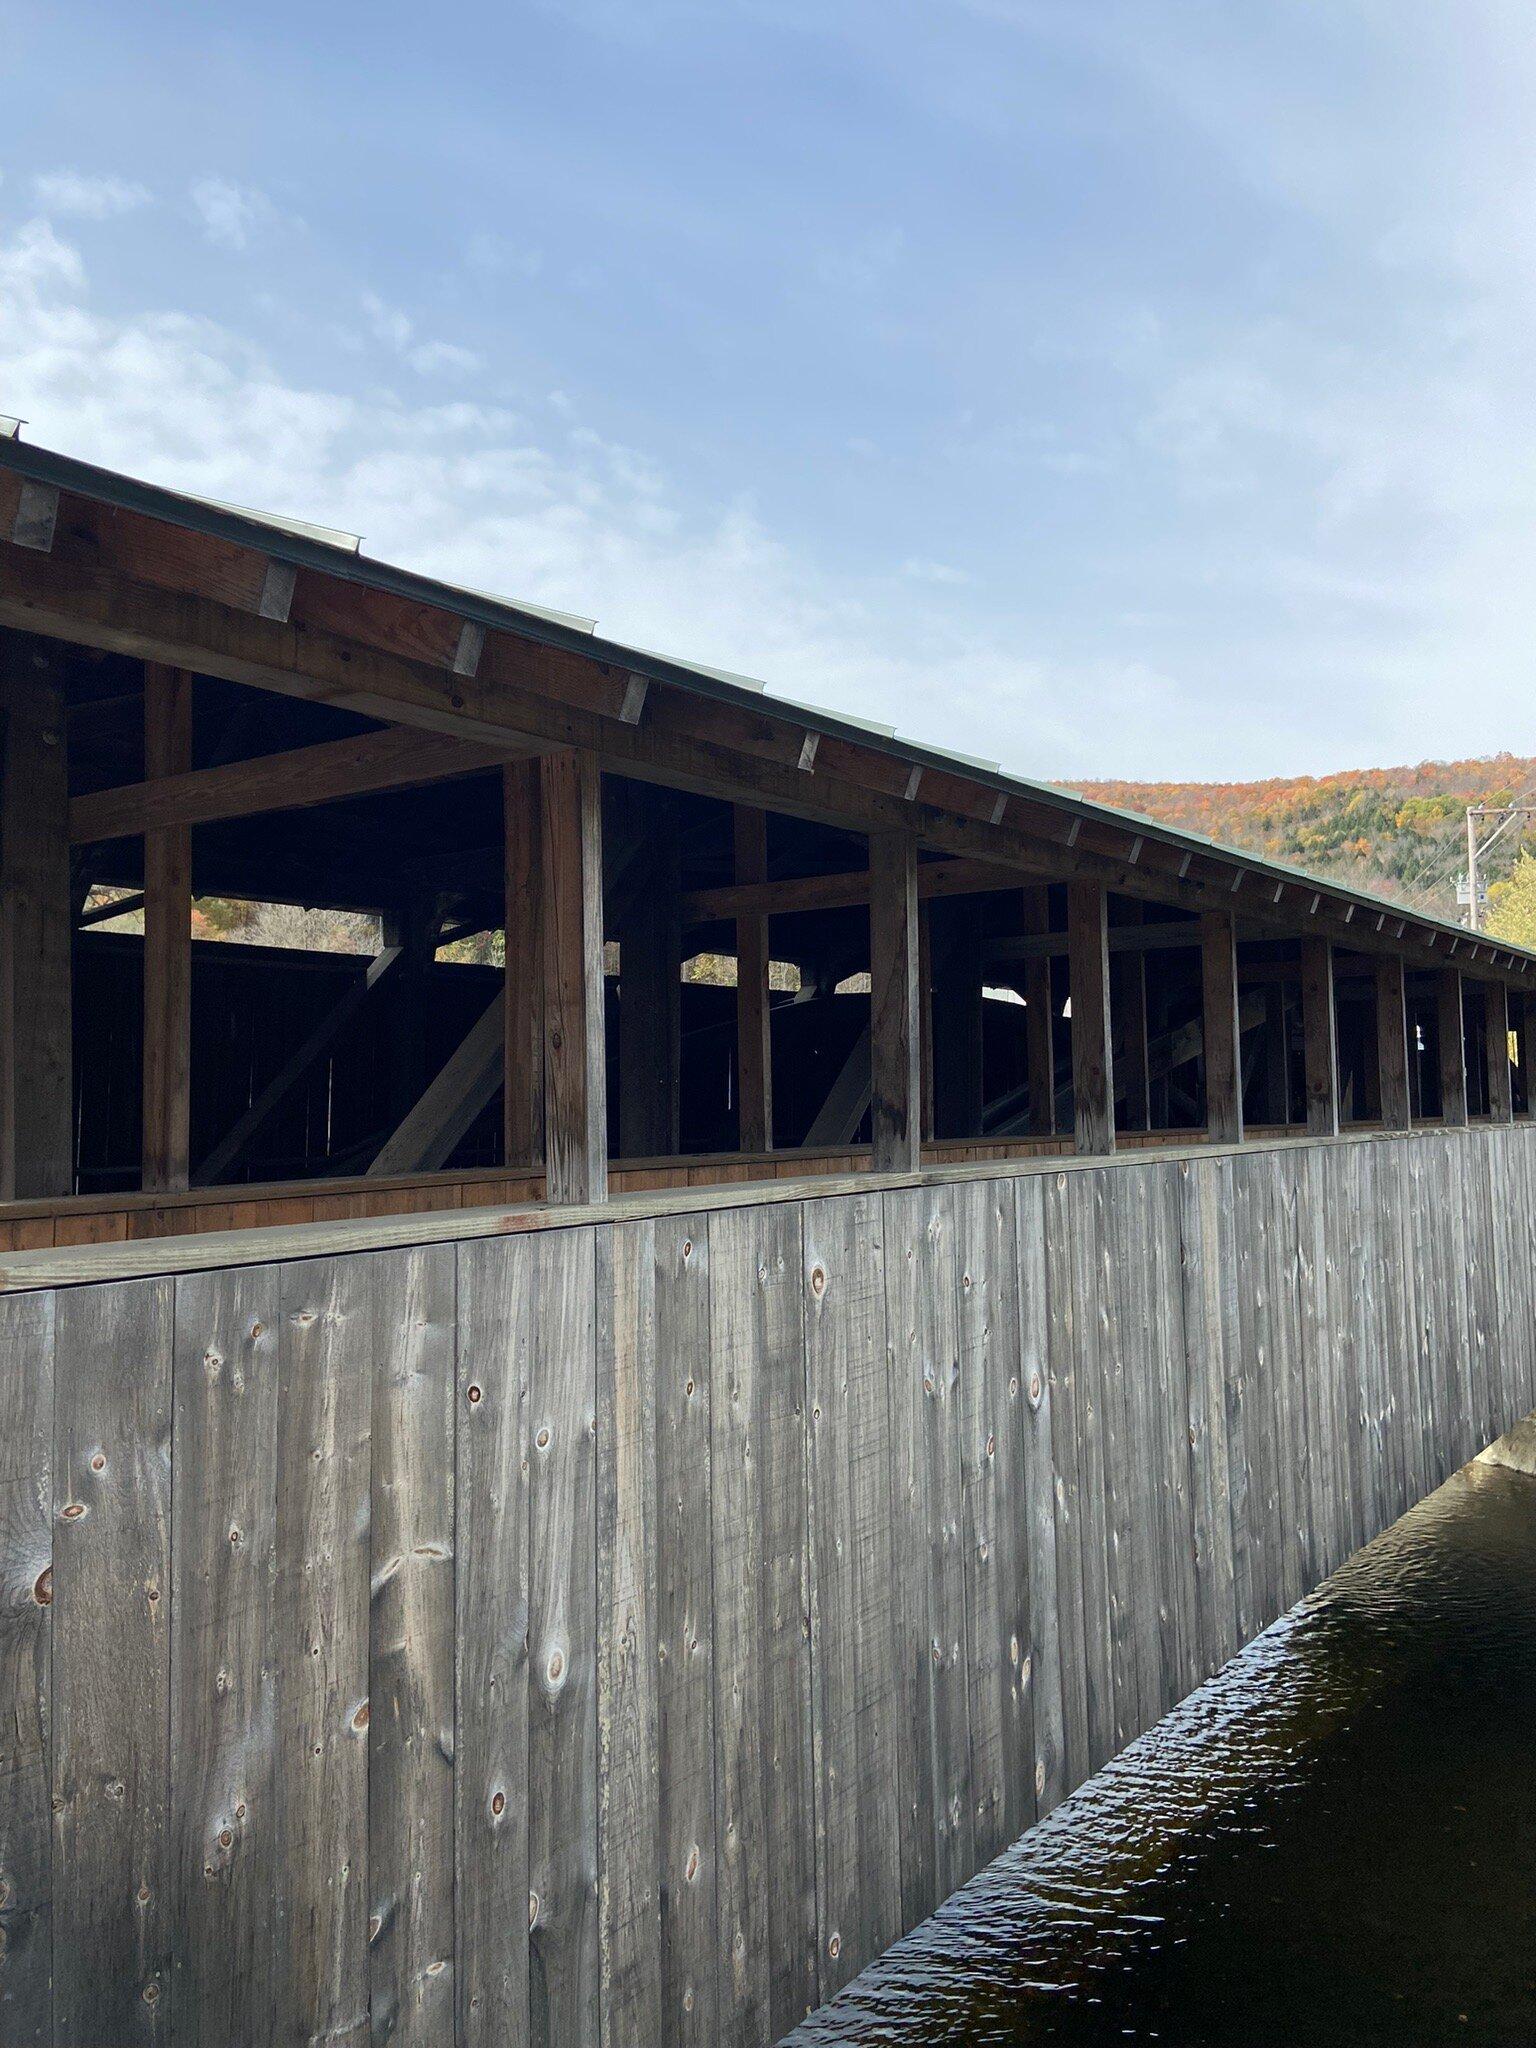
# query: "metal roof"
[339,554]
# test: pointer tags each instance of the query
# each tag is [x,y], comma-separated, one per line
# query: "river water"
[1334,1842]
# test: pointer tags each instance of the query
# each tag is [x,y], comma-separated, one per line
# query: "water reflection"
[1332,1842]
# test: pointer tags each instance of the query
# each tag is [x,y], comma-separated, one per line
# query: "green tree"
[1512,904]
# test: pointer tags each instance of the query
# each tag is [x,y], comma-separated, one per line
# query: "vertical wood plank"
[498,1306]
[114,1924]
[895,1041]
[320,1978]
[1037,1523]
[411,1304]
[223,1680]
[562,1643]
[575,1069]
[1320,1033]
[685,1630]
[858,1859]
[1392,1043]
[167,939]
[766,1794]
[754,1031]
[1222,1043]
[932,1729]
[1067,1393]
[36,1094]
[628,1671]
[523,974]
[994,1420]
[1205,1222]
[26,1594]
[1093,1086]
[1452,1048]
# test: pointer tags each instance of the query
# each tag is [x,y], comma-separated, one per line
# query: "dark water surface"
[1332,1842]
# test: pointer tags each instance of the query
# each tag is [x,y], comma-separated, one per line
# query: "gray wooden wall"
[619,1634]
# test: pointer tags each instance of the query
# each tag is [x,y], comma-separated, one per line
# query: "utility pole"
[1476,815]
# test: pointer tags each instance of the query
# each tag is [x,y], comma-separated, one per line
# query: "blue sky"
[1138,389]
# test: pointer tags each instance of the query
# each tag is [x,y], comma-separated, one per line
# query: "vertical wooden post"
[575,1066]
[167,939]
[1500,1092]
[1093,1072]
[1218,1004]
[894,1009]
[754,1028]
[523,984]
[36,1086]
[957,1018]
[1453,1046]
[650,994]
[1320,1033]
[1128,978]
[1392,1045]
[1039,1020]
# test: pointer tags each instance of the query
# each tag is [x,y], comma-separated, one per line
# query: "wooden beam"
[650,989]
[575,1068]
[1451,1032]
[398,757]
[523,972]
[754,1028]
[1500,1090]
[1392,1046]
[36,1096]
[1093,1085]
[1039,1021]
[1161,936]
[167,939]
[844,891]
[232,1145]
[401,670]
[424,1139]
[1320,1033]
[894,1007]
[1222,1038]
[847,1100]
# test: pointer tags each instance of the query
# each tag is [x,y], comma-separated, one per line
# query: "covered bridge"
[548,1502]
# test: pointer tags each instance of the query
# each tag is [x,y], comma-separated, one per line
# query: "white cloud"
[87,197]
[396,331]
[231,213]
[919,571]
[463,491]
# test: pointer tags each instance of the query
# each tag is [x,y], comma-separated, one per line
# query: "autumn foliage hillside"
[1398,831]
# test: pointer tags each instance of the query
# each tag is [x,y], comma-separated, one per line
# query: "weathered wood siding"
[618,1633]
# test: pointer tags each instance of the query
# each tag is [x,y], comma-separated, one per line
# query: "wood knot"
[818,1281]
[360,1719]
[541,1441]
[72,1511]
[556,1667]
[687,1247]
[151,1993]
[98,1462]
[691,1869]
[533,1909]
[498,1804]
[1036,1390]
[42,1591]
[474,1394]
[835,1947]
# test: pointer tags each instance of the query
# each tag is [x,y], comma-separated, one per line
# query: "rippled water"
[1332,1842]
